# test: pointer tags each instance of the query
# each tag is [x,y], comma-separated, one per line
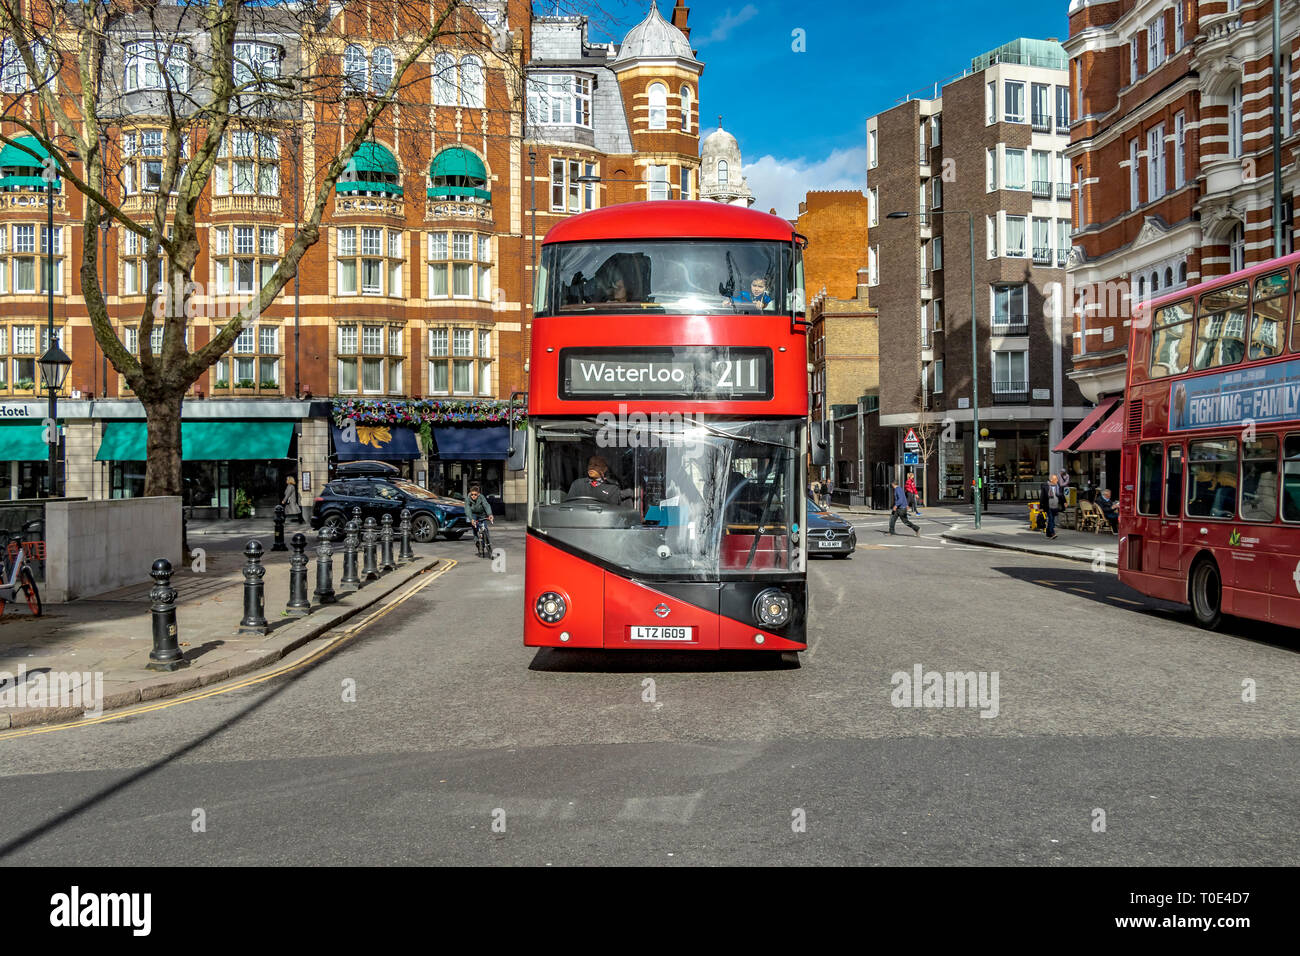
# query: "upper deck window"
[1221,328]
[712,277]
[1272,299]
[1171,339]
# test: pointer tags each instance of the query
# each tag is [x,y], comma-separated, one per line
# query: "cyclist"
[477,510]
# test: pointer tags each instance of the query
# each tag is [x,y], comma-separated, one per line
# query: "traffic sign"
[911,458]
[910,440]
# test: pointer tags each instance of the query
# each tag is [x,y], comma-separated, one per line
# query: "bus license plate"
[659,633]
[830,544]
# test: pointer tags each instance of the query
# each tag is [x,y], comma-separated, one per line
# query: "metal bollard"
[166,654]
[386,539]
[370,567]
[254,621]
[324,569]
[406,554]
[351,538]
[279,529]
[298,602]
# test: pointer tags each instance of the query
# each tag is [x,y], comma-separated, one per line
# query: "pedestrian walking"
[829,491]
[900,510]
[913,497]
[292,505]
[1050,499]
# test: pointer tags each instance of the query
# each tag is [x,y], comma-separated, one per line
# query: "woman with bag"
[292,506]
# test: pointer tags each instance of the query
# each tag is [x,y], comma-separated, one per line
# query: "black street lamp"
[55,365]
[974,356]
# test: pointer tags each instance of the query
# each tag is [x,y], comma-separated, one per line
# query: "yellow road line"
[1126,601]
[1081,590]
[1050,584]
[241,683]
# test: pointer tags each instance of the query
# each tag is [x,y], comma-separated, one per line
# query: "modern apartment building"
[985,155]
[1171,156]
[411,315]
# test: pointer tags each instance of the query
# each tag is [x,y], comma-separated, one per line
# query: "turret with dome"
[720,165]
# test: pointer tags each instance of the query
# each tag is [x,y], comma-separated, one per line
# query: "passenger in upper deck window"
[757,294]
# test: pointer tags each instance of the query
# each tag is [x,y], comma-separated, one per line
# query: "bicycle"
[482,539]
[18,576]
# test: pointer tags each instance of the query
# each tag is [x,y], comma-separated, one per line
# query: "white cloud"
[780,184]
[722,32]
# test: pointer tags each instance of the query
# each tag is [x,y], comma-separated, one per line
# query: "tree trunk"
[162,475]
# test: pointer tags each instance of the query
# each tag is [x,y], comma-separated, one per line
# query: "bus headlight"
[772,608]
[550,607]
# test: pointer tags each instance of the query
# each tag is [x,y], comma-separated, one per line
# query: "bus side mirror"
[517,450]
[819,448]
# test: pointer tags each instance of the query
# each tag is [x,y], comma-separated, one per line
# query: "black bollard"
[386,539]
[406,554]
[351,538]
[370,567]
[166,654]
[298,603]
[254,621]
[324,569]
[279,530]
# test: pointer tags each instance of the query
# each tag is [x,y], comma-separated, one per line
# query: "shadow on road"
[597,661]
[1105,588]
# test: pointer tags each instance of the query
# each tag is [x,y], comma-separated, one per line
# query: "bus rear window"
[1272,299]
[1221,328]
[1212,478]
[1171,340]
[706,277]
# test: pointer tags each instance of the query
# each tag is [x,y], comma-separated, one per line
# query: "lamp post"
[54,363]
[974,358]
[296,139]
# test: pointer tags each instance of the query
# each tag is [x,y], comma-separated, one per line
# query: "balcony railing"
[1042,255]
[1010,393]
[1062,255]
[1010,324]
[1062,190]
[1042,122]
[1042,190]
[925,280]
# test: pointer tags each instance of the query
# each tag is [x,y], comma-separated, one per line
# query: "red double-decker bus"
[1210,496]
[667,417]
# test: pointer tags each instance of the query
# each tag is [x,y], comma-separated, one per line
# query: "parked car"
[431,515]
[366,469]
[828,533]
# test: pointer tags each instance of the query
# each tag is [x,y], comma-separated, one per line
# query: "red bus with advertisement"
[1210,491]
[667,428]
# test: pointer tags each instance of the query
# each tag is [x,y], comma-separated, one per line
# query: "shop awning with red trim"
[1080,430]
[1109,434]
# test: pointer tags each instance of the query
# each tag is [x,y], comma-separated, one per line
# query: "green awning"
[26,182]
[362,186]
[455,192]
[202,441]
[457,162]
[23,443]
[373,158]
[11,155]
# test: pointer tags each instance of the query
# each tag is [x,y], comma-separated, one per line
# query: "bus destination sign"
[698,374]
[1267,393]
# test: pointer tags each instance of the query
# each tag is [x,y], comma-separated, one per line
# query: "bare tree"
[198,73]
[928,436]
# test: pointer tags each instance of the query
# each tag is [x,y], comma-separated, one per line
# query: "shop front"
[469,455]
[1015,461]
[395,444]
[231,468]
[1091,448]
[24,460]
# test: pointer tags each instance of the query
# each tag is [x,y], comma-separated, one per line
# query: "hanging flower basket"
[431,411]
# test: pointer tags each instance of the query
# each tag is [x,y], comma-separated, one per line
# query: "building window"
[244,265]
[1040,106]
[22,264]
[1042,242]
[873,265]
[1015,169]
[1180,25]
[1133,60]
[368,265]
[471,82]
[1134,199]
[1156,162]
[937,244]
[1016,237]
[990,170]
[1155,42]
[1010,312]
[1081,197]
[1013,104]
[873,206]
[248,163]
[381,69]
[568,192]
[142,161]
[1237,249]
[657,176]
[154,65]
[461,269]
[1234,122]
[1010,373]
[873,158]
[1041,174]
[560,99]
[938,376]
[444,79]
[1287,100]
[371,368]
[13,72]
[1062,109]
[1180,149]
[686,98]
[991,104]
[936,130]
[658,97]
[991,236]
[936,193]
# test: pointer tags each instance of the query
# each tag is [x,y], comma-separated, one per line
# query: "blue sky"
[801,117]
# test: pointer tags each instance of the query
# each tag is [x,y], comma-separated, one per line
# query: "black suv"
[431,515]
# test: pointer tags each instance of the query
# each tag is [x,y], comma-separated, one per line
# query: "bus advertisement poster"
[1268,393]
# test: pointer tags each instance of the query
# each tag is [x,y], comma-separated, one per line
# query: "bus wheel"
[1207,594]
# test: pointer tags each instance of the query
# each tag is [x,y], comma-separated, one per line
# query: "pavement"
[96,650]
[1007,527]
